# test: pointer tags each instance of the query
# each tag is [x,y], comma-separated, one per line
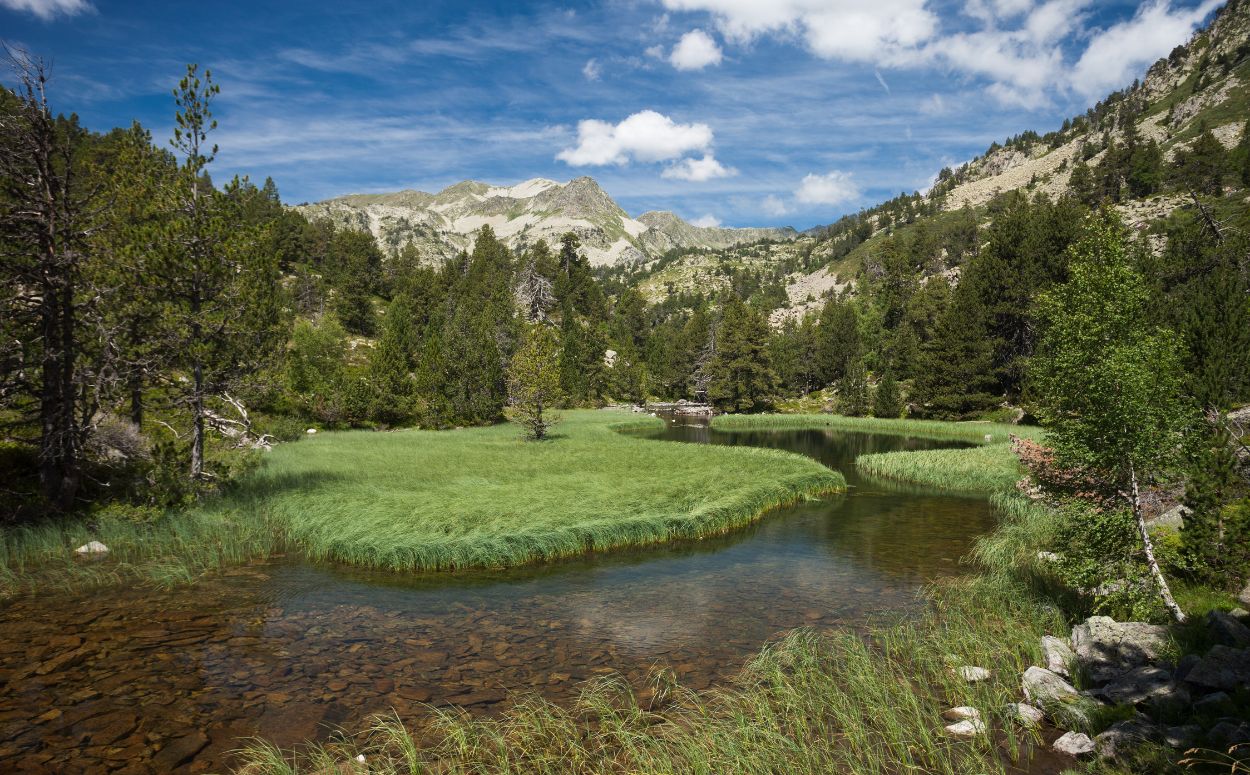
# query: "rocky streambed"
[144,680]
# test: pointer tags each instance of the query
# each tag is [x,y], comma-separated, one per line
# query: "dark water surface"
[138,680]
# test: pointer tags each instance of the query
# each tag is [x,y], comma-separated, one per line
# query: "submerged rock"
[1074,744]
[92,547]
[1106,648]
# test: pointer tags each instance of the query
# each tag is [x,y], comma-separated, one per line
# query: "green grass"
[436,500]
[988,468]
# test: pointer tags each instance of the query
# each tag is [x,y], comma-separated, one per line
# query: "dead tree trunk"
[1164,591]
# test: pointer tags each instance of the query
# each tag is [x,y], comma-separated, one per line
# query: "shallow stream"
[138,680]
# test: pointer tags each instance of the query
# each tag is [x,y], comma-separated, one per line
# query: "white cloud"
[773,205]
[645,136]
[1114,55]
[48,9]
[833,189]
[592,70]
[695,51]
[708,221]
[655,52]
[698,170]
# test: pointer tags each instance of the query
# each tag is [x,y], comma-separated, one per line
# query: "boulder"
[1074,744]
[972,674]
[1024,714]
[1042,687]
[1185,665]
[1228,732]
[1222,668]
[1106,648]
[1138,685]
[962,713]
[1124,735]
[1181,737]
[1171,520]
[1212,703]
[1227,630]
[967,728]
[1059,656]
[92,547]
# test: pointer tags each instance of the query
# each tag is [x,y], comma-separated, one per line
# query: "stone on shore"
[1107,648]
[973,674]
[1222,668]
[1074,744]
[962,713]
[967,728]
[92,547]
[1227,630]
[1059,655]
[1124,735]
[1025,714]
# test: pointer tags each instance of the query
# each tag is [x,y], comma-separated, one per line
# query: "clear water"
[136,678]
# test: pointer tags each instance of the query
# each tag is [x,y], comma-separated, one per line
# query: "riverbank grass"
[988,467]
[436,500]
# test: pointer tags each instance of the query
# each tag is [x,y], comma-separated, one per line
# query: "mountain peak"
[439,225]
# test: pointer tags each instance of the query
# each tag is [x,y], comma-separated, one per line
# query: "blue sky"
[740,112]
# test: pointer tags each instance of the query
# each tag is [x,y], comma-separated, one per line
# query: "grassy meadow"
[987,468]
[435,500]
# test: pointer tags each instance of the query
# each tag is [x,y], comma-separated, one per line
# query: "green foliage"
[534,382]
[1216,533]
[1203,167]
[853,390]
[740,375]
[988,469]
[887,400]
[1108,381]
[957,374]
[837,341]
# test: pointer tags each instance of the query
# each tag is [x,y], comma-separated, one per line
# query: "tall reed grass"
[932,429]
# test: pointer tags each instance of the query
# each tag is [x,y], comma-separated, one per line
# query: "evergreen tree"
[740,375]
[1215,536]
[838,340]
[1203,166]
[1145,173]
[534,382]
[957,376]
[392,364]
[887,401]
[853,390]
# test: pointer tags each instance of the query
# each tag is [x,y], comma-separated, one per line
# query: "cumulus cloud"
[1114,55]
[645,136]
[592,70]
[48,9]
[1017,45]
[773,205]
[708,221]
[695,51]
[698,170]
[834,188]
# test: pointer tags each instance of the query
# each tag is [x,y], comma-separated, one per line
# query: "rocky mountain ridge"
[440,225]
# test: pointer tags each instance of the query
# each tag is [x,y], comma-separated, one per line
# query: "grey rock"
[1241,615]
[973,674]
[1024,714]
[1182,737]
[967,728]
[1212,703]
[1058,654]
[92,547]
[1244,596]
[1124,735]
[1186,664]
[962,713]
[1106,648]
[1074,744]
[1041,687]
[1229,732]
[1172,520]
[1227,630]
[1222,668]
[1138,685]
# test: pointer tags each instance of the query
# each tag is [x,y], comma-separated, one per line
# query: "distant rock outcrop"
[440,225]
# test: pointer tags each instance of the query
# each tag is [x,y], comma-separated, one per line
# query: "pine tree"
[534,382]
[740,375]
[392,363]
[1215,536]
[887,401]
[1202,168]
[838,340]
[853,390]
[957,374]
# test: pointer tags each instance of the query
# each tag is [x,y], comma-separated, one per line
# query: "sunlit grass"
[432,500]
[930,429]
[987,469]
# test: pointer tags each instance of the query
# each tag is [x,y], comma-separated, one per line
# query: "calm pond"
[138,680]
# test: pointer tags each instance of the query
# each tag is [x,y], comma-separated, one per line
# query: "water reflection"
[287,649]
